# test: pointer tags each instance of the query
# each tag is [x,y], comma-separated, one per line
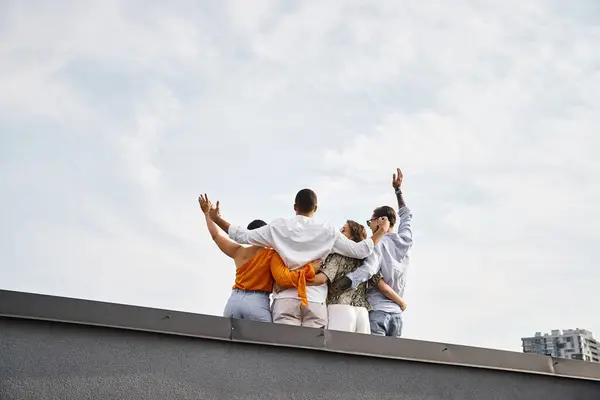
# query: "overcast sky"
[115,115]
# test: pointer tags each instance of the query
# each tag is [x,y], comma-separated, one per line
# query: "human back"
[300,239]
[252,265]
[254,272]
[393,268]
[394,256]
[246,254]
[253,285]
[347,308]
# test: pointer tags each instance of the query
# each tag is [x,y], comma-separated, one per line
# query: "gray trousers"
[248,304]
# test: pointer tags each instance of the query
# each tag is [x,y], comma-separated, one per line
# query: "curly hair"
[357,231]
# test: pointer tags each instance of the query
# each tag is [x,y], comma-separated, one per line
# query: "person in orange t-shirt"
[253,281]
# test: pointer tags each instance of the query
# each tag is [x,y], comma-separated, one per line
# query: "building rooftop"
[558,332]
[28,319]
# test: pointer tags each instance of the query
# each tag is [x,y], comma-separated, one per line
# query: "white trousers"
[347,318]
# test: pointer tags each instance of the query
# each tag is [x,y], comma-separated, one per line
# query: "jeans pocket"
[228,311]
[398,323]
[258,308]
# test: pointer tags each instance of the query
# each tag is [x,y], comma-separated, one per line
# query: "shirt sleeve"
[404,234]
[349,248]
[258,237]
[367,269]
[330,267]
[374,280]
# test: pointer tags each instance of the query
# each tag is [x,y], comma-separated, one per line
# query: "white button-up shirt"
[300,240]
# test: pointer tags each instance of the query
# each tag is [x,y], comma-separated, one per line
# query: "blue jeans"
[248,304]
[385,323]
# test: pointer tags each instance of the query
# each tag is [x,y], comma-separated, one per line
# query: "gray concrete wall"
[55,360]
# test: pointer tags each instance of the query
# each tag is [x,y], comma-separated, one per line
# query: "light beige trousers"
[292,312]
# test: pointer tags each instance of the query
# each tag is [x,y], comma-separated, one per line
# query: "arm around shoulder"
[367,269]
[257,237]
[349,248]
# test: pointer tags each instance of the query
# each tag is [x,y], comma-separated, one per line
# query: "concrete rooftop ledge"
[28,306]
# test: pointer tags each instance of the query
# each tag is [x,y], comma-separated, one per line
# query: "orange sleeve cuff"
[296,278]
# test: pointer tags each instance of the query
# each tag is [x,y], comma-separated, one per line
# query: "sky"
[116,115]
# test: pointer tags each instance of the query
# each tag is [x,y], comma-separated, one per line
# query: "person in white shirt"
[300,240]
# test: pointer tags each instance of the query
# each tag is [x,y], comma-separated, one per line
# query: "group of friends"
[319,276]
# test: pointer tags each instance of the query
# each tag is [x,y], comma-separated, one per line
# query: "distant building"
[576,344]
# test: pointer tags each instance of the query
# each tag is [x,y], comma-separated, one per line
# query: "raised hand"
[397,179]
[205,204]
[215,212]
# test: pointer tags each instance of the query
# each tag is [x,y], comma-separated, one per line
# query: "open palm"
[397,179]
[205,204]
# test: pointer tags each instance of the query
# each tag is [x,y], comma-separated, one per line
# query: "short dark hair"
[358,232]
[257,223]
[385,211]
[306,201]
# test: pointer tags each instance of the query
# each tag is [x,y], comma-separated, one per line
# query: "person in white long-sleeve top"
[300,240]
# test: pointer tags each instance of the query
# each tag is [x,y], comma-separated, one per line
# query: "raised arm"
[401,243]
[227,246]
[403,239]
[396,183]
[398,247]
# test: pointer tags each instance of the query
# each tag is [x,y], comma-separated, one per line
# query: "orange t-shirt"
[296,278]
[256,273]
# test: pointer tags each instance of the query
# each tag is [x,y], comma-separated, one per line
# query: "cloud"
[114,117]
[510,164]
